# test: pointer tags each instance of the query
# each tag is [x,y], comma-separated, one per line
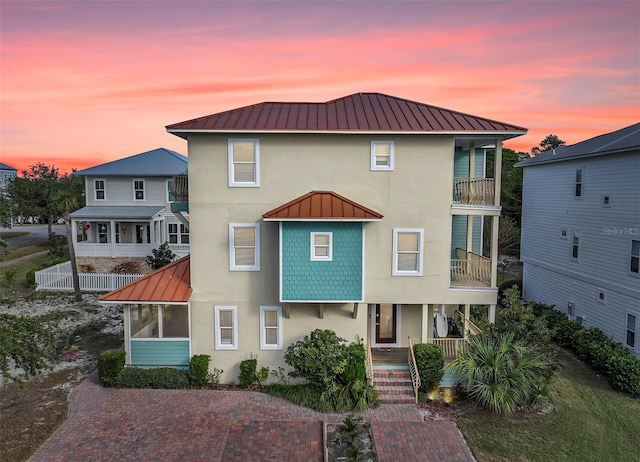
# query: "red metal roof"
[322,205]
[169,284]
[373,112]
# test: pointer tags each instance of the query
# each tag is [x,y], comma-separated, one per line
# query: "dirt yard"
[31,412]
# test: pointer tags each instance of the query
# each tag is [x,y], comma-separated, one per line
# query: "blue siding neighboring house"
[581,232]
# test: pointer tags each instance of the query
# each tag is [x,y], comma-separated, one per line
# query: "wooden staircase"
[393,385]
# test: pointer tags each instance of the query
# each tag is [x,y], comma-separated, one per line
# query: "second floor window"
[100,190]
[138,190]
[244,247]
[407,252]
[579,182]
[575,245]
[381,155]
[635,256]
[178,233]
[244,163]
[322,246]
[170,197]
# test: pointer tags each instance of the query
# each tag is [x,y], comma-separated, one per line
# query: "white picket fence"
[60,277]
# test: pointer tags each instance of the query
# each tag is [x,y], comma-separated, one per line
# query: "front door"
[386,323]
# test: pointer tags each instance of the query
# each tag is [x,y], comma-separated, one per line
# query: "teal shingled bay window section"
[337,280]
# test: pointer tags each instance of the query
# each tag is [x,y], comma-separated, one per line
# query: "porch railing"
[469,327]
[470,269]
[451,347]
[59,277]
[368,362]
[180,188]
[413,369]
[473,191]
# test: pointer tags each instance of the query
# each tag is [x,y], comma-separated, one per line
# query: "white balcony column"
[492,314]
[494,250]
[472,160]
[497,172]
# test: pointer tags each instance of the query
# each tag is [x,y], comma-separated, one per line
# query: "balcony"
[474,191]
[470,270]
[180,193]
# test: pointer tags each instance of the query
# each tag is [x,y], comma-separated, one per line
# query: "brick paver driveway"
[107,424]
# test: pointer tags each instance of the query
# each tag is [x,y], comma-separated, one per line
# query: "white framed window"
[575,246]
[244,163]
[321,246]
[563,233]
[601,296]
[382,155]
[635,257]
[578,190]
[271,328]
[178,233]
[226,327]
[407,252]
[170,197]
[100,189]
[606,201]
[138,190]
[630,337]
[244,246]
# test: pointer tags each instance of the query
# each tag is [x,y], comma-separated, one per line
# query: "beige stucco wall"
[417,194]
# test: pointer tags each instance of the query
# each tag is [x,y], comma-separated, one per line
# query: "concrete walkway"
[107,424]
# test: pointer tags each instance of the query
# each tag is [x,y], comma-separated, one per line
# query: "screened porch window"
[159,321]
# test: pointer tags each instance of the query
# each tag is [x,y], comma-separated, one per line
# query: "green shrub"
[110,364]
[625,373]
[158,378]
[430,363]
[248,369]
[320,357]
[199,370]
[585,340]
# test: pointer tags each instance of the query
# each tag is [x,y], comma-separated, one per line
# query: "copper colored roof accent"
[322,205]
[360,112]
[169,284]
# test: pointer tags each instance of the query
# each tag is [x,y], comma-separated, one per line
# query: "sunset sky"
[83,83]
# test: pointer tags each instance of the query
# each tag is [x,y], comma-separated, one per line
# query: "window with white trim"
[178,233]
[606,201]
[244,163]
[382,155]
[170,197]
[244,246]
[138,190]
[578,191]
[226,327]
[563,233]
[103,233]
[100,189]
[602,296]
[575,245]
[407,252]
[630,339]
[635,256]
[322,246]
[271,328]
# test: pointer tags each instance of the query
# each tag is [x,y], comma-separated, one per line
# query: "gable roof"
[169,284]
[357,113]
[322,205]
[7,167]
[623,140]
[157,162]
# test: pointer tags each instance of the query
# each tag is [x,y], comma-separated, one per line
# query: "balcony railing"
[470,270]
[473,191]
[180,188]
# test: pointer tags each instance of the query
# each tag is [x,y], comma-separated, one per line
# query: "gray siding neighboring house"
[6,174]
[581,232]
[128,211]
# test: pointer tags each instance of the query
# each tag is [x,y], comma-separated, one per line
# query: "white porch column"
[427,324]
[492,314]
[112,240]
[494,250]
[497,172]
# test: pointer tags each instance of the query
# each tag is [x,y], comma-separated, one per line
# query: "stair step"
[397,399]
[390,390]
[392,381]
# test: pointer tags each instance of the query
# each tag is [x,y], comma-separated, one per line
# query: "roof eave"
[323,219]
[524,163]
[183,133]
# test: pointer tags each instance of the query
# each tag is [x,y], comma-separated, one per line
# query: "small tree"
[162,256]
[549,142]
[26,344]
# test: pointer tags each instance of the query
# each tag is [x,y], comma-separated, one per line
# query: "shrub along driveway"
[125,424]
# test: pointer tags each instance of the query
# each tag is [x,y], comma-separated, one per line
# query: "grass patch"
[21,268]
[592,423]
[10,234]
[24,251]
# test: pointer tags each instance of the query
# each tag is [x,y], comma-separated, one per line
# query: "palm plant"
[499,372]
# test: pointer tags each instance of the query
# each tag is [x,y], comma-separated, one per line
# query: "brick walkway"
[107,424]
